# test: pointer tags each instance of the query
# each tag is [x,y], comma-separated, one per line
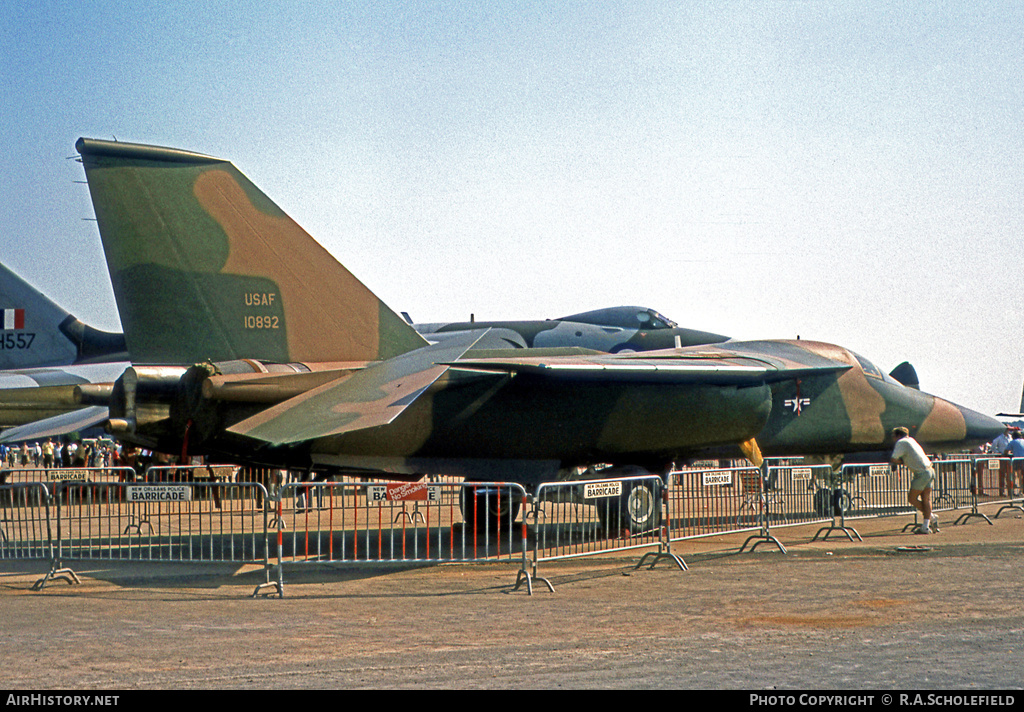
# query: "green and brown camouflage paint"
[193,245]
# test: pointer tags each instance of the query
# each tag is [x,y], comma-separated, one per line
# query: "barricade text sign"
[67,475]
[598,490]
[714,479]
[159,493]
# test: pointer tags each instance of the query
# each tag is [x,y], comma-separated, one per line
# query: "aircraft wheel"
[637,509]
[841,502]
[488,509]
[828,503]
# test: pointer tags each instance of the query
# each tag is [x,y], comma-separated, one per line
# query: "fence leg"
[1011,505]
[56,570]
[525,576]
[841,528]
[764,536]
[278,585]
[974,508]
[64,574]
[663,552]
[836,500]
[665,545]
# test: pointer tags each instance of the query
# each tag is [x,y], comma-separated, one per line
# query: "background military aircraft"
[612,330]
[45,352]
[303,366]
[37,332]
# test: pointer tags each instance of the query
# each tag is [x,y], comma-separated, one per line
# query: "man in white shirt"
[999,445]
[909,453]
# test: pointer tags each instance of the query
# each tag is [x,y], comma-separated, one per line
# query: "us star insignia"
[797,404]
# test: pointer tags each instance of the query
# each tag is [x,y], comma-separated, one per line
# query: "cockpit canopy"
[872,371]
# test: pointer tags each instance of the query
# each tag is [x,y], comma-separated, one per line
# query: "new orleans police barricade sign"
[716,479]
[599,490]
[159,493]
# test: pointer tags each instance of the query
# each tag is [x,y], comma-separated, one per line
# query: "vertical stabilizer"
[205,267]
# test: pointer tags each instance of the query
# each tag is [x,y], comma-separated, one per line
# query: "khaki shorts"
[923,480]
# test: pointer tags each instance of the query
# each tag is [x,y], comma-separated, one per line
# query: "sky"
[849,172]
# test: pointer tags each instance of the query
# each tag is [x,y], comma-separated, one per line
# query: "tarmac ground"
[896,611]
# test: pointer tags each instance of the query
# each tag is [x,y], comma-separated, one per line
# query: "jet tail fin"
[206,267]
[35,332]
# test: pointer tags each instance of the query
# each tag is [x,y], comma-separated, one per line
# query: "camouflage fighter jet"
[302,366]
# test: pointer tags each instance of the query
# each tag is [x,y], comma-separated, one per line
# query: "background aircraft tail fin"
[206,267]
[35,332]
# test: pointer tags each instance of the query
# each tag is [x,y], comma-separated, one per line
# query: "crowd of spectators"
[51,454]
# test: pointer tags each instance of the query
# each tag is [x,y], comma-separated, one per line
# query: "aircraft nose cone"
[981,428]
[949,426]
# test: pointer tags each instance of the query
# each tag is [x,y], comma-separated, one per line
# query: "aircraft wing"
[378,394]
[671,368]
[373,396]
[57,425]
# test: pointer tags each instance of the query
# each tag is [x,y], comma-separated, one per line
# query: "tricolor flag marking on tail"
[13,319]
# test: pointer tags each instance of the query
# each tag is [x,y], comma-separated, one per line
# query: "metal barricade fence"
[1017,478]
[716,501]
[25,523]
[191,473]
[397,522]
[1016,489]
[798,494]
[869,490]
[587,517]
[65,474]
[578,518]
[197,514]
[713,501]
[994,475]
[157,522]
[719,501]
[200,474]
[952,488]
